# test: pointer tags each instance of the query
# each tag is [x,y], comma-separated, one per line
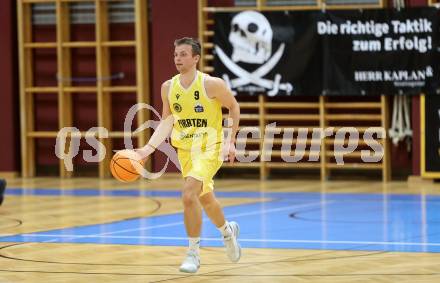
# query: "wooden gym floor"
[91,230]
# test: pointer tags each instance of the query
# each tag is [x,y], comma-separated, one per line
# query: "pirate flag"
[275,53]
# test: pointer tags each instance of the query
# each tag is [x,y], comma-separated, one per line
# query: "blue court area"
[406,223]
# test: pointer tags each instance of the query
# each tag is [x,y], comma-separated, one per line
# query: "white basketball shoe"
[233,249]
[191,263]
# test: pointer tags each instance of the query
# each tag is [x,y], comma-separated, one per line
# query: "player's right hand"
[143,152]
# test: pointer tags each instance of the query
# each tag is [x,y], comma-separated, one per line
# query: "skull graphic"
[251,38]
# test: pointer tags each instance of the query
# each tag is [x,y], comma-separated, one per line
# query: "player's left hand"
[230,152]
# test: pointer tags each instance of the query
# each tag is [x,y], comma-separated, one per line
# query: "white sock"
[225,229]
[194,244]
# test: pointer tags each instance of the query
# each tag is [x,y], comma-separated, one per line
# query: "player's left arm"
[216,88]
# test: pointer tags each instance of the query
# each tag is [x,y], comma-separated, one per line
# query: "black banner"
[431,136]
[370,52]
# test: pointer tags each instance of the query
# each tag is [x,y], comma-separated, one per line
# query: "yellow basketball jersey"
[197,118]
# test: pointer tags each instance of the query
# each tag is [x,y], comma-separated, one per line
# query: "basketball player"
[192,113]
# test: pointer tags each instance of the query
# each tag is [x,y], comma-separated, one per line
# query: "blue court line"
[290,220]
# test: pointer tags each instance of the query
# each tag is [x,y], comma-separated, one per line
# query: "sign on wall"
[369,52]
[430,136]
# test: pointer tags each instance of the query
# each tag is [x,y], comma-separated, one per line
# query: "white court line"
[241,240]
[229,216]
[204,219]
[181,222]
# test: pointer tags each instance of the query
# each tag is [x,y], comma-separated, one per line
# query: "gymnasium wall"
[84,104]
[168,20]
[9,115]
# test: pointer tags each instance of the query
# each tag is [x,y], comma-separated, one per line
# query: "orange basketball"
[126,165]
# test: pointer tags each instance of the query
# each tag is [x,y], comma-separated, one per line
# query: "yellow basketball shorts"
[201,166]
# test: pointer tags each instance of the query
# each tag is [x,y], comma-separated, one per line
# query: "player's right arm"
[165,126]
